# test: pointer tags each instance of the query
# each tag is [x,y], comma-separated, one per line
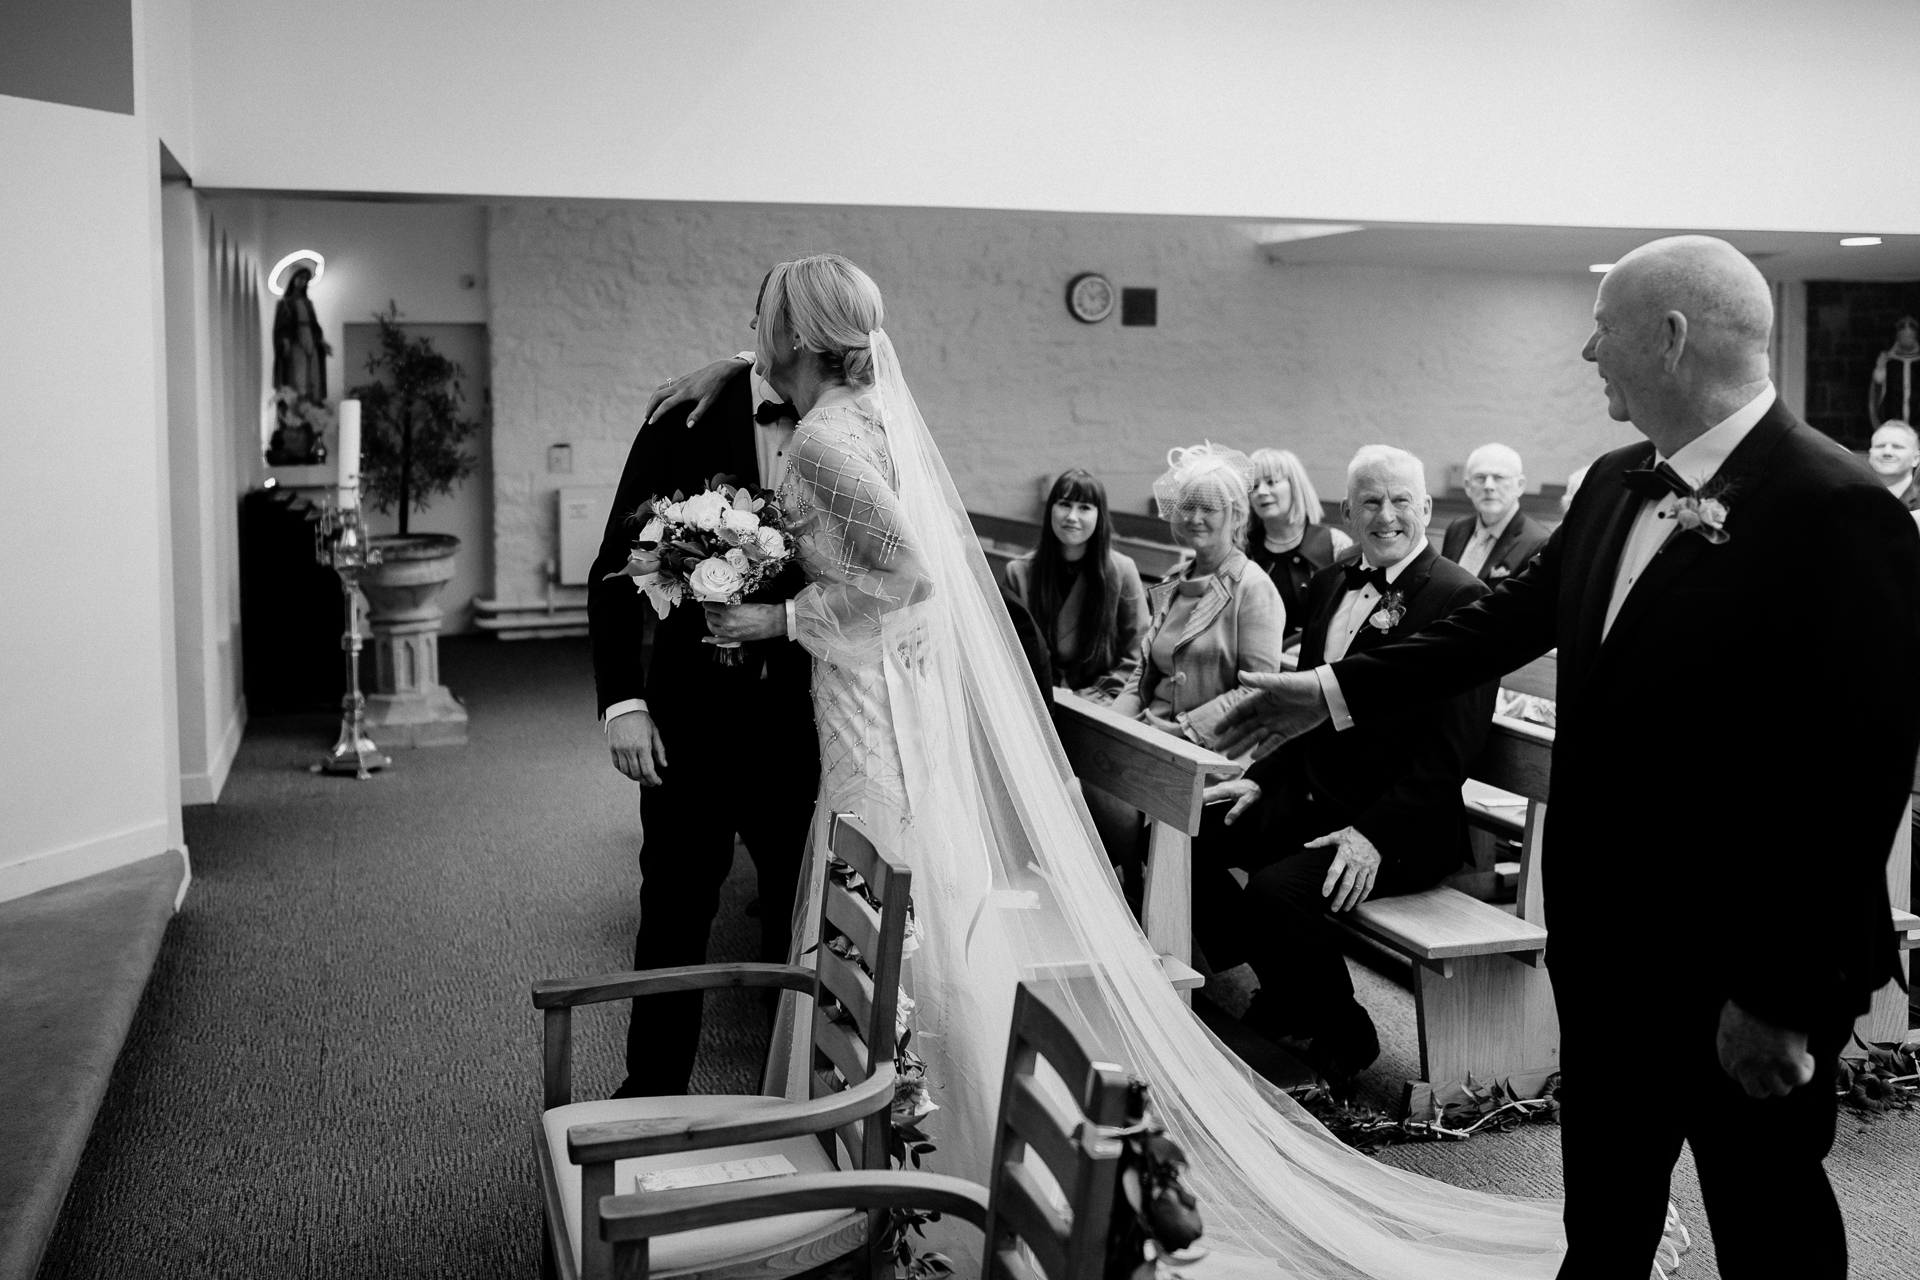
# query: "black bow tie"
[774,411]
[1359,575]
[1656,482]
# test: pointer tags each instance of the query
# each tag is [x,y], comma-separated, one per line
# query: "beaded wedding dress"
[932,730]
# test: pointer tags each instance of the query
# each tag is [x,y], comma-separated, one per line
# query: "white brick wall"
[594,303]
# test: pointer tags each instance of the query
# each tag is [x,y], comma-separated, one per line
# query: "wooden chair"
[585,1148]
[1163,777]
[1081,1157]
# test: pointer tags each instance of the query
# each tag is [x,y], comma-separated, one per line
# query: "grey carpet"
[335,1065]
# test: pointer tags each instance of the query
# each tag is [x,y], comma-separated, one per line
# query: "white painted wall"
[89,753]
[594,303]
[1718,113]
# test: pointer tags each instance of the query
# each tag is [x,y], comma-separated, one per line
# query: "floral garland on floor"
[1887,1079]
[1460,1112]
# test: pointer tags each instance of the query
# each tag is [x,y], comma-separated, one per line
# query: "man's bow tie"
[1656,482]
[1359,575]
[774,411]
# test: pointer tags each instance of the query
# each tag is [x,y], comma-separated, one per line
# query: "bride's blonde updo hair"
[828,305]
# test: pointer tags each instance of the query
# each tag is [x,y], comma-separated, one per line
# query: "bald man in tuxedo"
[1710,769]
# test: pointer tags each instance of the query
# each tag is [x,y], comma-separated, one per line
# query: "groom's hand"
[1289,704]
[1764,1058]
[701,387]
[637,748]
[739,623]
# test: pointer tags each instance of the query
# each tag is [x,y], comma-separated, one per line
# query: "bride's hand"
[701,387]
[739,623]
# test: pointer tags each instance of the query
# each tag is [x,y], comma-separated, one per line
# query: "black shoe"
[1266,1017]
[1340,1057]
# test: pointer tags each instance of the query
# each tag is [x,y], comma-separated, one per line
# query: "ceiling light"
[1859,242]
[1287,232]
[1601,268]
[277,278]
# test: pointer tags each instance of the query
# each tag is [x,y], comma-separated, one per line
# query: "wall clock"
[1090,297]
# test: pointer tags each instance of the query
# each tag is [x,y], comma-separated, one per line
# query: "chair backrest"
[1085,1162]
[854,1007]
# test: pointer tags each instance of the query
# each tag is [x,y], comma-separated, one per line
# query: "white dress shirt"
[1474,558]
[1697,461]
[771,441]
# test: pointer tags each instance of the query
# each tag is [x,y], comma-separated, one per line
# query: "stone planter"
[409,706]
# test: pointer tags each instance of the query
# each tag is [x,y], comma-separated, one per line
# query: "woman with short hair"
[1085,597]
[1222,616]
[1287,540]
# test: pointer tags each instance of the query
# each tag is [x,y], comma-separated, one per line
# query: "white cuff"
[1336,701]
[619,709]
[793,628]
[745,355]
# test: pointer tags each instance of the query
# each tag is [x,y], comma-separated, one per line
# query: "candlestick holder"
[340,542]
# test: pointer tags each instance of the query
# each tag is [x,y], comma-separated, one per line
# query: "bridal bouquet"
[719,546]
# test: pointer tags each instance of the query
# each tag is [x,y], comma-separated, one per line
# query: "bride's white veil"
[1014,883]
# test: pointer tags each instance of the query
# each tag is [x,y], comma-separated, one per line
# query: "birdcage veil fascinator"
[1203,474]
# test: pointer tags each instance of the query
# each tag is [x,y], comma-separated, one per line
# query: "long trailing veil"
[1011,881]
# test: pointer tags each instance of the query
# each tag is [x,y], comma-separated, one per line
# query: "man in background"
[1498,539]
[1893,455]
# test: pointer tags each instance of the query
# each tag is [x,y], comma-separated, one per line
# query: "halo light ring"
[276,279]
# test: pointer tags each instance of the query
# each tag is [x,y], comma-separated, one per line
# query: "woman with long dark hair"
[1086,598]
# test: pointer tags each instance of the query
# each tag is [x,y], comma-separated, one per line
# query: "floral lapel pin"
[1393,607]
[1499,571]
[1702,511]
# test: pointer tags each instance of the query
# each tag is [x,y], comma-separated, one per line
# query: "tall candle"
[349,454]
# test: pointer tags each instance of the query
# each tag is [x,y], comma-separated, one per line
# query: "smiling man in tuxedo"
[1725,789]
[675,726]
[1339,817]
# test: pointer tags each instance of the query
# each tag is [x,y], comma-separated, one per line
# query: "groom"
[717,749]
[1726,785]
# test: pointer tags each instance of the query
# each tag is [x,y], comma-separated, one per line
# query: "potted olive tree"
[413,448]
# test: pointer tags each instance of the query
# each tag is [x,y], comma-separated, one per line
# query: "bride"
[933,732]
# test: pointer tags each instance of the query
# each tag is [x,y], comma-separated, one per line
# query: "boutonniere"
[1499,571]
[1703,511]
[1393,607]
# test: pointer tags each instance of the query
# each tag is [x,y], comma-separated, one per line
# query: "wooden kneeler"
[1015,1213]
[853,1035]
[1163,777]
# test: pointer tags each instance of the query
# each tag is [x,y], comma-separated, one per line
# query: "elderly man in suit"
[1498,539]
[672,725]
[1708,770]
[1337,817]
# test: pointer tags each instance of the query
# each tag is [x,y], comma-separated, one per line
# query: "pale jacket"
[1236,626]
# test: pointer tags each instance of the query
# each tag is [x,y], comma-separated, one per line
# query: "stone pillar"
[409,706]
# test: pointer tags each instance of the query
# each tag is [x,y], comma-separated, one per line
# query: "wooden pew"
[1163,777]
[1887,1021]
[1481,994]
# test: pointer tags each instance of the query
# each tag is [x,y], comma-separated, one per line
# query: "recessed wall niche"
[1849,323]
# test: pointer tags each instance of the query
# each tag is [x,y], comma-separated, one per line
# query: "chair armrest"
[659,1213]
[656,1136]
[561,993]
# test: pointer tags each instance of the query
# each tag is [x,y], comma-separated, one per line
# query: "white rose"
[714,581]
[734,520]
[738,559]
[668,512]
[703,510]
[772,543]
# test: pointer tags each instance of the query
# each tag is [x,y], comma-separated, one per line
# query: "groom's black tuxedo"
[1728,775]
[742,755]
